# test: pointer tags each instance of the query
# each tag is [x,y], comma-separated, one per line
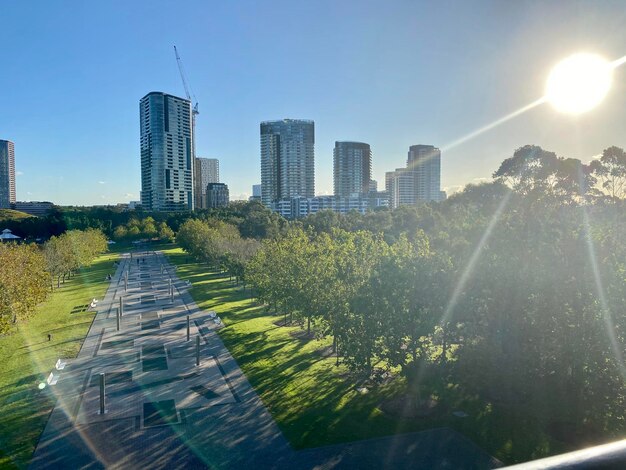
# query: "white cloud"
[101,182]
[240,197]
[481,180]
[129,195]
[19,173]
[452,189]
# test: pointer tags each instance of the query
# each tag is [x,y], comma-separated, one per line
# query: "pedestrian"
[49,337]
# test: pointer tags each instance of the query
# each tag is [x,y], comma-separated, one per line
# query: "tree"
[165,234]
[610,172]
[23,283]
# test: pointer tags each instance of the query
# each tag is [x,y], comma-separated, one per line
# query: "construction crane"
[194,111]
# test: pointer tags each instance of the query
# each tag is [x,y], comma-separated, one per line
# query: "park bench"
[60,365]
[52,379]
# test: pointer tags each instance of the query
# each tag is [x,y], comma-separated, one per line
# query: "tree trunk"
[308,326]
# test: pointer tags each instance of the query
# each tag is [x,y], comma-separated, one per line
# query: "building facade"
[256,193]
[7,174]
[287,160]
[352,168]
[425,161]
[38,208]
[206,170]
[420,181]
[298,207]
[217,195]
[166,153]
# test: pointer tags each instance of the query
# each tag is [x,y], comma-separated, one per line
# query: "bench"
[60,365]
[52,379]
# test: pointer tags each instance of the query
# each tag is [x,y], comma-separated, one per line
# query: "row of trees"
[67,253]
[24,283]
[146,228]
[217,244]
[28,269]
[526,307]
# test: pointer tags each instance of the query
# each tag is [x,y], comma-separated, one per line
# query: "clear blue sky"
[390,73]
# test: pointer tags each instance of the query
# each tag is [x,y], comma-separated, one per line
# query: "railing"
[606,457]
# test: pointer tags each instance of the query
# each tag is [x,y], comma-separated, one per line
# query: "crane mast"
[194,111]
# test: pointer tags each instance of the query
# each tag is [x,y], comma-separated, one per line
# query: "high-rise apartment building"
[425,161]
[352,168]
[166,153]
[206,170]
[7,174]
[287,160]
[217,195]
[419,181]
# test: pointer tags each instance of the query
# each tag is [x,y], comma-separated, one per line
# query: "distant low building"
[216,195]
[298,207]
[38,208]
[256,193]
[132,205]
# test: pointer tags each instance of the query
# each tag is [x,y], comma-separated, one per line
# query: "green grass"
[27,358]
[316,403]
[10,214]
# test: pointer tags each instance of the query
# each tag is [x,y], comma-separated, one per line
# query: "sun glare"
[579,83]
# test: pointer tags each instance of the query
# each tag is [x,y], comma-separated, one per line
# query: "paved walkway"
[164,411]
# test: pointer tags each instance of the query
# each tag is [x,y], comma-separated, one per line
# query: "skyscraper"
[207,170]
[425,161]
[419,181]
[352,168]
[287,160]
[7,174]
[166,153]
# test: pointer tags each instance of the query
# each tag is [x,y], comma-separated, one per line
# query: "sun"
[579,83]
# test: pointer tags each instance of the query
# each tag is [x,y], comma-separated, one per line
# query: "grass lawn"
[28,357]
[10,214]
[316,403]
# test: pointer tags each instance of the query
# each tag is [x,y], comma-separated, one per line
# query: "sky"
[389,73]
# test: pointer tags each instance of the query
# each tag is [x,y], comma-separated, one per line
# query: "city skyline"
[391,85]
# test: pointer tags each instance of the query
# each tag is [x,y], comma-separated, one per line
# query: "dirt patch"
[326,351]
[407,407]
[302,335]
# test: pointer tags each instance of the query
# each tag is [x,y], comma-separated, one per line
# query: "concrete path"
[164,411]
